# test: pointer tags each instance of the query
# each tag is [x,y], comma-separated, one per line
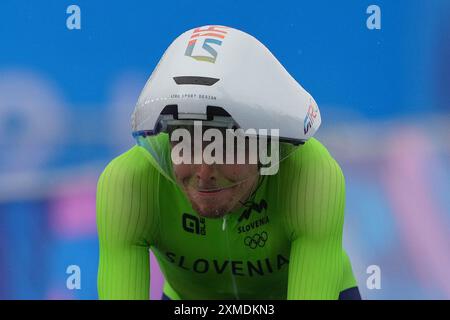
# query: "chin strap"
[248,204]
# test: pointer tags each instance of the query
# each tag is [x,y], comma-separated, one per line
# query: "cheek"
[182,171]
[239,171]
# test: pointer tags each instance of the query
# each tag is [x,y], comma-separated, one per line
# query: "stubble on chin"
[213,210]
[213,213]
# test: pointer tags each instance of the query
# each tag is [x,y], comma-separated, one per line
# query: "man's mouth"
[213,191]
[210,191]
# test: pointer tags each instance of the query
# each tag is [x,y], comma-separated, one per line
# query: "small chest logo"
[257,240]
[194,224]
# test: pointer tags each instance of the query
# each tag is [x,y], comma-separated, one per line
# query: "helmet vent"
[202,81]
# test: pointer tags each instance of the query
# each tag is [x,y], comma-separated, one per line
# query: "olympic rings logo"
[257,240]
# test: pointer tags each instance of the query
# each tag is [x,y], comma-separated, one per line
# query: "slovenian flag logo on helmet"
[205,37]
[311,116]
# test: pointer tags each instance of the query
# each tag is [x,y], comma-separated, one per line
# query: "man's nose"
[206,172]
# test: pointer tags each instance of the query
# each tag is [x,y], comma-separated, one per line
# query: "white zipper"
[233,280]
[224,224]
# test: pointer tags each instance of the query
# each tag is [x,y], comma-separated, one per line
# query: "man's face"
[203,185]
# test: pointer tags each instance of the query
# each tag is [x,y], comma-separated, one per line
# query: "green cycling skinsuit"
[284,243]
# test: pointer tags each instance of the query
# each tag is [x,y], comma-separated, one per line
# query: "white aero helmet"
[221,77]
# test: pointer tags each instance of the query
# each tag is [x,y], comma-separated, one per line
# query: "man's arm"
[124,228]
[316,220]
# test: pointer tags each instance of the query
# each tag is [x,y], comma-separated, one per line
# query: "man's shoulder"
[126,197]
[314,149]
[313,155]
[128,164]
[312,191]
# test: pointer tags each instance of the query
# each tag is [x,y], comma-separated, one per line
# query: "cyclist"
[226,184]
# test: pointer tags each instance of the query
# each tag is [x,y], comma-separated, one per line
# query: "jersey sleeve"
[315,217]
[127,224]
